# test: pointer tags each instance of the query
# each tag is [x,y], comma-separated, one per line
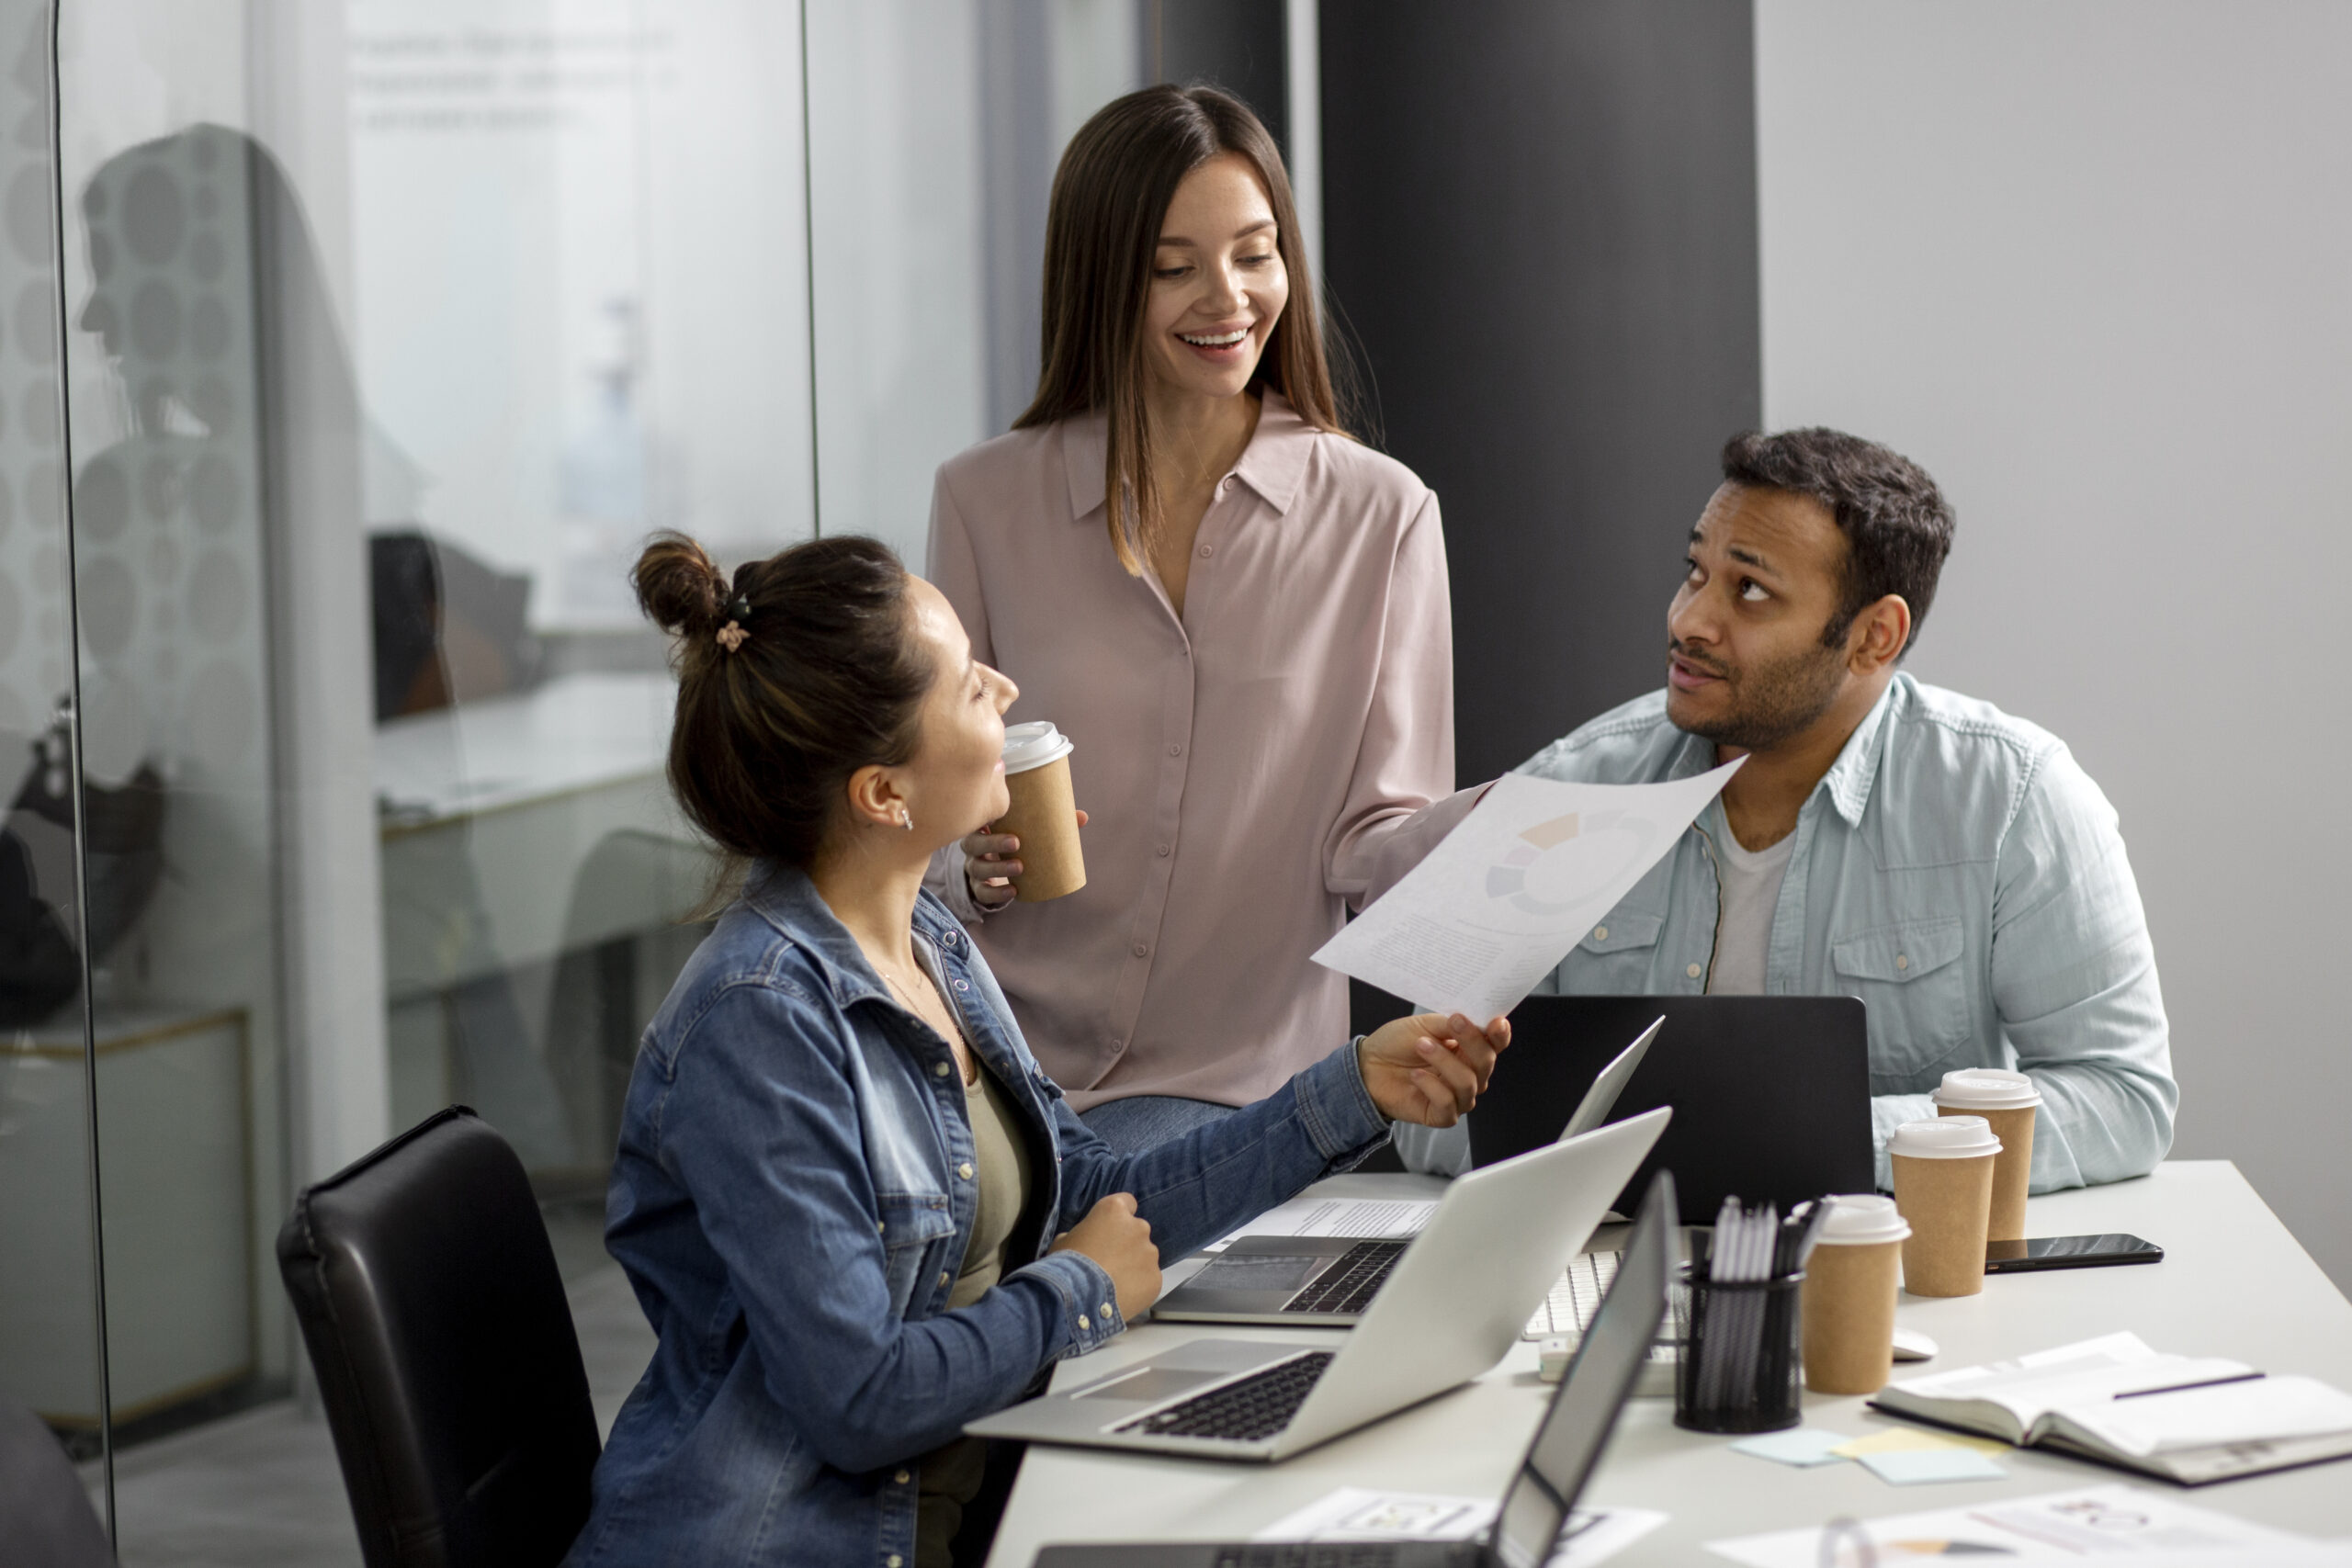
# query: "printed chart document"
[2100,1523]
[1498,903]
[1357,1513]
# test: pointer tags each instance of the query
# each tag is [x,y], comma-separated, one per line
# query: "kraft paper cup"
[2006,1100]
[1044,813]
[1849,1303]
[1943,1187]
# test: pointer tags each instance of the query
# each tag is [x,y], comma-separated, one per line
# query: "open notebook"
[2185,1418]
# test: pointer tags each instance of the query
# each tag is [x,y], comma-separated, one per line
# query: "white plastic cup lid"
[1987,1089]
[1944,1137]
[1862,1218]
[1033,745]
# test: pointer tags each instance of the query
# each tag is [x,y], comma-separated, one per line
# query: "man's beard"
[1773,702]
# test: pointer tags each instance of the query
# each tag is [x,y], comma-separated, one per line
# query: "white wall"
[2090,262]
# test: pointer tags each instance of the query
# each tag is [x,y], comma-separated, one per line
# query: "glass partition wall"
[348,352]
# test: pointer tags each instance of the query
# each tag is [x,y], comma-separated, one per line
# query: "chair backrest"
[46,1520]
[445,1357]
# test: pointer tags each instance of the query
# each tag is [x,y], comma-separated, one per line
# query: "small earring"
[907,821]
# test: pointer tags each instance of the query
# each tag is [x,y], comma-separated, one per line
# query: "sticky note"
[1807,1446]
[1911,1467]
[1908,1440]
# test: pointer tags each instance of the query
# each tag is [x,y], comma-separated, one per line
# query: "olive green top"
[952,1476]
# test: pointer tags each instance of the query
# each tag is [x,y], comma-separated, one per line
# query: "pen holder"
[1739,1366]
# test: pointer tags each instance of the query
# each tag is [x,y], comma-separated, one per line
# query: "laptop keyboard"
[1349,1282]
[1253,1407]
[1575,1296]
[1335,1554]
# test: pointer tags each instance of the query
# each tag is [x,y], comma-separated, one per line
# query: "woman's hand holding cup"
[990,862]
[1431,1069]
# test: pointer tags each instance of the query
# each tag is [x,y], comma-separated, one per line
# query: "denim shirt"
[1959,872]
[792,1198]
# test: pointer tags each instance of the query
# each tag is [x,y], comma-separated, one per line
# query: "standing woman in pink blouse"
[1235,610]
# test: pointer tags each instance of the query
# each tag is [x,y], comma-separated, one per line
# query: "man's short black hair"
[1896,523]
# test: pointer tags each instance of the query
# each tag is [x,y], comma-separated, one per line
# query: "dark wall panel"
[1238,45]
[1540,221]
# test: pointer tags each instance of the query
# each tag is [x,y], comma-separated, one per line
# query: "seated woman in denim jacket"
[857,1213]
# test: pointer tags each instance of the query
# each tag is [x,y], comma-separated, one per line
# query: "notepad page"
[2256,1410]
[2088,1371]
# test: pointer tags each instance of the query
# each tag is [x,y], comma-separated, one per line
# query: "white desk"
[2232,1283]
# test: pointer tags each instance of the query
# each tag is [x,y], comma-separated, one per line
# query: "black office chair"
[436,1322]
[46,1520]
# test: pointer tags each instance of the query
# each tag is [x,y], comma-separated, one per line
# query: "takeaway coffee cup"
[1943,1187]
[2007,1101]
[1044,813]
[1850,1296]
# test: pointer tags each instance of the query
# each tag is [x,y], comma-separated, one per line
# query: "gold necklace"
[969,1070]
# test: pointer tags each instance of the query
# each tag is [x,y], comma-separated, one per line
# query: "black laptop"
[1771,1095]
[1536,1504]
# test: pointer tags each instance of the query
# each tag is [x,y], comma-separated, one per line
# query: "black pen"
[2179,1387]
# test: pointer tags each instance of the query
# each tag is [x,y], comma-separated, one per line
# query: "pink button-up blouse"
[1243,766]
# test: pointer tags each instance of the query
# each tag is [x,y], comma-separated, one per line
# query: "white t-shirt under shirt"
[1750,883]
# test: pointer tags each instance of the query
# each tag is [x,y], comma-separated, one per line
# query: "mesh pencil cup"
[1739,1366]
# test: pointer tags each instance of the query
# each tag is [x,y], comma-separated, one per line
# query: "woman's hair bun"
[679,587]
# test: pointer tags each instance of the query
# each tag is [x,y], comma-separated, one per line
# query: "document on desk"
[1523,879]
[1358,1513]
[1338,1216]
[2099,1522]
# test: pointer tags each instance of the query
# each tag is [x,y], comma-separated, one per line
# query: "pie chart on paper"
[1549,869]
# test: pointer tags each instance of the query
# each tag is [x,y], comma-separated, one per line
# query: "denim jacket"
[792,1198]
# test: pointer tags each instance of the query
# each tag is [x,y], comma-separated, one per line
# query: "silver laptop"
[1318,1281]
[1455,1303]
[1535,1518]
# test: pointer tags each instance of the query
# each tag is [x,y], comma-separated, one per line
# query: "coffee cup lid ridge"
[1944,1137]
[1862,1218]
[1987,1089]
[1033,744]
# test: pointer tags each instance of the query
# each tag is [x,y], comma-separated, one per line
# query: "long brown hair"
[827,679]
[1111,195]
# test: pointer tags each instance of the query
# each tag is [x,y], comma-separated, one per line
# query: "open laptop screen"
[1598,1383]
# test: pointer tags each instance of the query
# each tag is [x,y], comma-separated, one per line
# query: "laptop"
[1567,1447]
[1311,1281]
[1455,1303]
[1771,1095]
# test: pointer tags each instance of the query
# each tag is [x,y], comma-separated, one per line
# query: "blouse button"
[943,1278]
[894,1561]
[902,1478]
[1163,852]
[1142,949]
[1693,971]
[962,984]
[1600,933]
[1082,1322]
[1107,1309]
[1207,550]
[964,1170]
[939,1070]
[1175,751]
[1902,961]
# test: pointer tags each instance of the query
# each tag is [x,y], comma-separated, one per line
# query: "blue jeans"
[1138,1121]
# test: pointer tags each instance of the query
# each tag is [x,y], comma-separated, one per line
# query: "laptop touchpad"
[1265,1273]
[1151,1383]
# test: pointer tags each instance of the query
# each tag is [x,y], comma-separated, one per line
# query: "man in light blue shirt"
[1950,866]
